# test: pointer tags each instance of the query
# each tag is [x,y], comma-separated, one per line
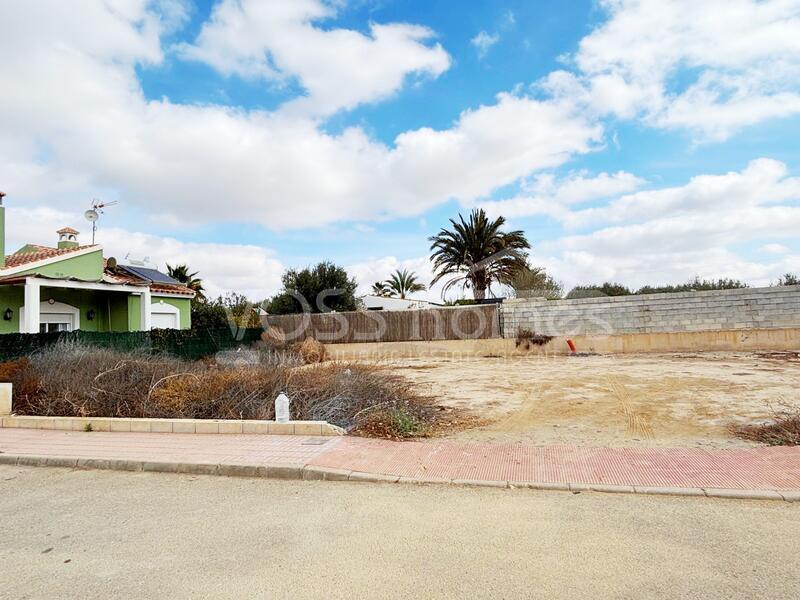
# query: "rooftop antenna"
[93,214]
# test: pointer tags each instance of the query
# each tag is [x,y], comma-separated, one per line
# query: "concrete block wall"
[749,308]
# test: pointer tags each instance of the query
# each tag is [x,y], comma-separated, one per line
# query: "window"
[54,316]
[56,321]
[52,327]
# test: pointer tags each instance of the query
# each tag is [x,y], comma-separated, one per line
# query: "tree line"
[473,254]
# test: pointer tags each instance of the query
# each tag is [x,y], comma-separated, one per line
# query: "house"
[72,286]
[386,303]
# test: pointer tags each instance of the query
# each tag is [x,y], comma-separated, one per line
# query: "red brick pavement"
[751,468]
[747,469]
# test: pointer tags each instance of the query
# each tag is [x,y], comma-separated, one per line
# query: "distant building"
[383,303]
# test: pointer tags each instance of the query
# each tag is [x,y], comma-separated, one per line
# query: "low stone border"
[310,473]
[172,425]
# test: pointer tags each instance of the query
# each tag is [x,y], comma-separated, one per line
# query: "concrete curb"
[197,426]
[312,473]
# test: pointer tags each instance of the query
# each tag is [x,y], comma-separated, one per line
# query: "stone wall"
[750,308]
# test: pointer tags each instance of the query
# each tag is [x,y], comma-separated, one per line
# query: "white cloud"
[379,269]
[762,183]
[711,67]
[546,194]
[483,41]
[774,248]
[281,39]
[673,234]
[251,270]
[75,124]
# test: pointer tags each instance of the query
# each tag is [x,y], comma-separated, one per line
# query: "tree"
[789,279]
[240,311]
[325,287]
[402,283]
[181,273]
[379,288]
[598,291]
[208,314]
[535,282]
[696,284]
[477,252]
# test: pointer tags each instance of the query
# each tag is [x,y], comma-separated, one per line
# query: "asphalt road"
[102,534]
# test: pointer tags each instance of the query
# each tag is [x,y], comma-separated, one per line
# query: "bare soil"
[620,400]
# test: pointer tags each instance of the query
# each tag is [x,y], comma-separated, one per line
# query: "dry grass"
[73,380]
[310,350]
[782,430]
[274,338]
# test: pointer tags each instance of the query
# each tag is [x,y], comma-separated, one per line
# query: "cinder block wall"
[753,308]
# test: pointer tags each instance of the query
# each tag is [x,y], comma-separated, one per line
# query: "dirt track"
[668,400]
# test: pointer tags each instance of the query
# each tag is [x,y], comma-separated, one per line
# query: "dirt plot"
[665,399]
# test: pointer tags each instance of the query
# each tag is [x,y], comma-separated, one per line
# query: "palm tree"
[379,288]
[402,283]
[181,274]
[477,252]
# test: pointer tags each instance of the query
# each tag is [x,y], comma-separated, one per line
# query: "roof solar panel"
[152,275]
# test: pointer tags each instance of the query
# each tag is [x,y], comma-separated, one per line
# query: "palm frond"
[477,251]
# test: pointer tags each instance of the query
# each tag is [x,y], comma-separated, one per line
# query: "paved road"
[105,534]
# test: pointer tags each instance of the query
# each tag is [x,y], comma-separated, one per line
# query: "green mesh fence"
[189,344]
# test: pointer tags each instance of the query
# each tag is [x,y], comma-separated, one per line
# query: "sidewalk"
[753,472]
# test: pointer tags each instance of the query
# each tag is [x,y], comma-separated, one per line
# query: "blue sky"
[246,137]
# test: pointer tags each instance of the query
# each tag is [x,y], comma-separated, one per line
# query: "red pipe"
[571,345]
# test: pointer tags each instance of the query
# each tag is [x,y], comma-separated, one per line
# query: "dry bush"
[24,382]
[75,380]
[279,358]
[311,350]
[9,369]
[527,339]
[274,338]
[783,430]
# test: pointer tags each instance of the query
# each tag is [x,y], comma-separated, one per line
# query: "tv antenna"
[93,214]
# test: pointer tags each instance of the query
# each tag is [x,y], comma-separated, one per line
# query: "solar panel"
[152,275]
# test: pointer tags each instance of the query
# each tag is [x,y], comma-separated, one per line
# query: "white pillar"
[32,300]
[146,307]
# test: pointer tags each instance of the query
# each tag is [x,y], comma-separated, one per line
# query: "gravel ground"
[100,534]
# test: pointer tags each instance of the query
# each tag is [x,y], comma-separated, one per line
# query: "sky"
[637,141]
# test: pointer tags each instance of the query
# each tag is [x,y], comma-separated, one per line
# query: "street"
[107,534]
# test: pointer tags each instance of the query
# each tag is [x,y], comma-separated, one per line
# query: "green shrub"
[599,291]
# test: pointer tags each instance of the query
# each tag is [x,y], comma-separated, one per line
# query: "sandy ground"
[647,399]
[105,534]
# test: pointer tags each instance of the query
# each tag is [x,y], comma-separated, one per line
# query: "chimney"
[67,238]
[2,232]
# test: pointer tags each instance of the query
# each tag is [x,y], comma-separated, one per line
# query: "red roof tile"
[115,276]
[171,289]
[42,252]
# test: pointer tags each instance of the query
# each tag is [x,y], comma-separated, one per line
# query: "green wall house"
[69,287]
